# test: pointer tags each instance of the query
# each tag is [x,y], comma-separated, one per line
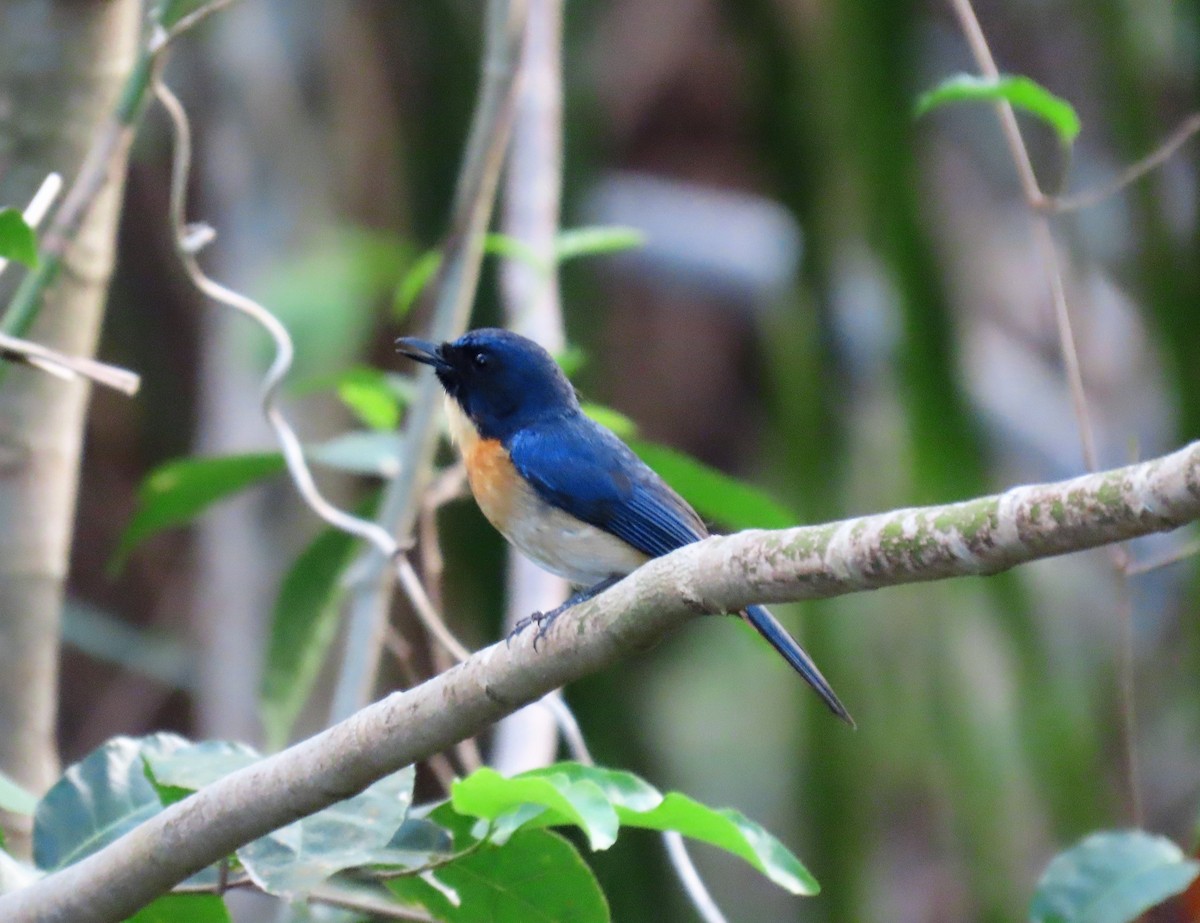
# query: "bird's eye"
[480,360]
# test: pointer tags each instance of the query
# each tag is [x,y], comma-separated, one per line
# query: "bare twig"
[724,573]
[1130,175]
[1165,560]
[289,442]
[370,601]
[1041,205]
[49,360]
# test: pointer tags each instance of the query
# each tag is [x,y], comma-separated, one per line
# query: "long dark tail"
[766,625]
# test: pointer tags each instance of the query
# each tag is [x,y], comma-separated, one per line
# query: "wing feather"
[581,468]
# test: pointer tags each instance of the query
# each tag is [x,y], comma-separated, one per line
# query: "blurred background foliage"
[834,301]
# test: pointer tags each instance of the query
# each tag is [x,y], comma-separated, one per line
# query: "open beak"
[423,351]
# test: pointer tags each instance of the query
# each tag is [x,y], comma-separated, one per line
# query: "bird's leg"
[543,620]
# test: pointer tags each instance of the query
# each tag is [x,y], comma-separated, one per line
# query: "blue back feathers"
[513,391]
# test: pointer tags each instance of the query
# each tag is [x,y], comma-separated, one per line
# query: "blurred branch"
[14,349]
[370,599]
[1044,241]
[1131,174]
[721,574]
[532,307]
[62,70]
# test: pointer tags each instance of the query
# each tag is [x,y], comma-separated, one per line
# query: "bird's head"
[502,381]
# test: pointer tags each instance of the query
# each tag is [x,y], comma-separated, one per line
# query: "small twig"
[1130,175]
[1044,239]
[380,908]
[191,20]
[289,442]
[1136,568]
[36,210]
[457,277]
[14,349]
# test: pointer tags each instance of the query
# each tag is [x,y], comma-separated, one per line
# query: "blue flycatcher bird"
[559,486]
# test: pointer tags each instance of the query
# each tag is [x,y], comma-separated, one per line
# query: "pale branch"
[720,574]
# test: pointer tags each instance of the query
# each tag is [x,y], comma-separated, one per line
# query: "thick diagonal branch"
[724,573]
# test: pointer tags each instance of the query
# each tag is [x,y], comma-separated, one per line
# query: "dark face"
[501,380]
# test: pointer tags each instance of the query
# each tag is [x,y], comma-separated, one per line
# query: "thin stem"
[371,598]
[1130,175]
[1039,203]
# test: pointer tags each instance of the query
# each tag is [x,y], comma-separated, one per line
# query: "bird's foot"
[543,621]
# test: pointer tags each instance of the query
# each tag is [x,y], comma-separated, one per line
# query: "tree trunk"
[61,68]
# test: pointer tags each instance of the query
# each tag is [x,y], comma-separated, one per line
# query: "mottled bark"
[62,66]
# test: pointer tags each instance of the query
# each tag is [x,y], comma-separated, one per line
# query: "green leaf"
[14,798]
[594,241]
[1019,92]
[715,495]
[414,282]
[184,908]
[192,766]
[487,794]
[371,396]
[179,491]
[567,793]
[297,858]
[1111,877]
[97,800]
[17,239]
[303,625]
[535,877]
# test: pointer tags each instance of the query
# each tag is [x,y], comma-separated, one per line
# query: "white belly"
[563,545]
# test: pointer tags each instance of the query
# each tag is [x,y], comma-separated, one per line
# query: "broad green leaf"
[184,908]
[97,800]
[536,877]
[299,857]
[414,282]
[17,239]
[1019,92]
[303,625]
[371,396]
[716,496]
[487,794]
[612,419]
[729,830]
[192,766]
[14,798]
[594,241]
[369,452]
[1111,877]
[567,792]
[179,491]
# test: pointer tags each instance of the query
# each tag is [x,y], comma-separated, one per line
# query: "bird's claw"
[543,621]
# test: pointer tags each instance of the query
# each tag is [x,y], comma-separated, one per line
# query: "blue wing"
[581,468]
